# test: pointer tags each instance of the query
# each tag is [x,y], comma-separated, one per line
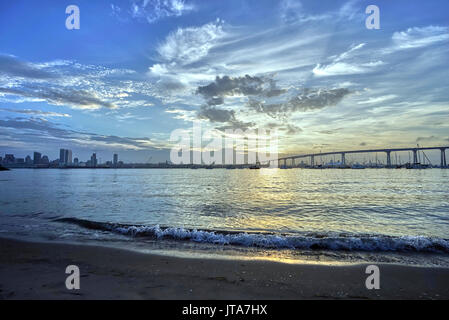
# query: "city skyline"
[136,71]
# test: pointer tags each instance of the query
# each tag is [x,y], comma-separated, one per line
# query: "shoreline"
[34,270]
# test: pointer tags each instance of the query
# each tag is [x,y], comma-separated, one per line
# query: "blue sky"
[137,70]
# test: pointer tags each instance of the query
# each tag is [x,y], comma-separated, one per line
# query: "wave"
[337,242]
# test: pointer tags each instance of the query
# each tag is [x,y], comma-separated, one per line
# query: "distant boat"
[417,166]
[3,168]
[255,166]
[358,166]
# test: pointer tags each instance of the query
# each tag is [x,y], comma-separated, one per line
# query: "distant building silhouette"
[37,158]
[65,157]
[9,158]
[93,160]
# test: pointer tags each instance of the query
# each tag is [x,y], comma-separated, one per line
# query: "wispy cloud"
[343,68]
[37,112]
[152,11]
[61,96]
[418,37]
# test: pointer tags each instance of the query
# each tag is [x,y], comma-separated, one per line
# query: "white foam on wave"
[348,243]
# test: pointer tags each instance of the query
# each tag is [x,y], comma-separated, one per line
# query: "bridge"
[387,151]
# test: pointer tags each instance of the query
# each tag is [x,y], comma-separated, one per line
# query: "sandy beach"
[37,271]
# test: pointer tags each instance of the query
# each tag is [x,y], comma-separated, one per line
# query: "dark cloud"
[214,114]
[309,99]
[230,86]
[11,66]
[59,96]
[217,115]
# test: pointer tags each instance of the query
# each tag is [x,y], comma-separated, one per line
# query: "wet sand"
[30,270]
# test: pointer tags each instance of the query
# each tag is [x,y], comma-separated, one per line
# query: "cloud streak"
[11,66]
[76,98]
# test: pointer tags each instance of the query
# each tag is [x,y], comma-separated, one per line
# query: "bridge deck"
[361,151]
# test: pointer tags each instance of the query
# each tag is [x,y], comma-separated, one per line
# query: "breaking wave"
[311,241]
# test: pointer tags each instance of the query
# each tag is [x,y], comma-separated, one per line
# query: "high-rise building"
[93,160]
[68,156]
[65,157]
[115,162]
[37,158]
[28,160]
[61,156]
[45,160]
[75,161]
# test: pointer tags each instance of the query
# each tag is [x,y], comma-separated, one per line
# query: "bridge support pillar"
[388,159]
[293,162]
[443,158]
[343,159]
[312,161]
[415,156]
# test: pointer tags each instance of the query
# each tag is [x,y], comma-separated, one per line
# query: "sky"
[136,70]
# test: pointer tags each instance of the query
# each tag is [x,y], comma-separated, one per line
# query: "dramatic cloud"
[76,98]
[309,99]
[247,86]
[11,66]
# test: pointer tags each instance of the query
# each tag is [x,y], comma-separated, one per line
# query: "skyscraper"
[93,160]
[37,158]
[68,156]
[65,157]
[115,162]
[61,156]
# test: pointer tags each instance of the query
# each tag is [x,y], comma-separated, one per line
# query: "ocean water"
[294,215]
